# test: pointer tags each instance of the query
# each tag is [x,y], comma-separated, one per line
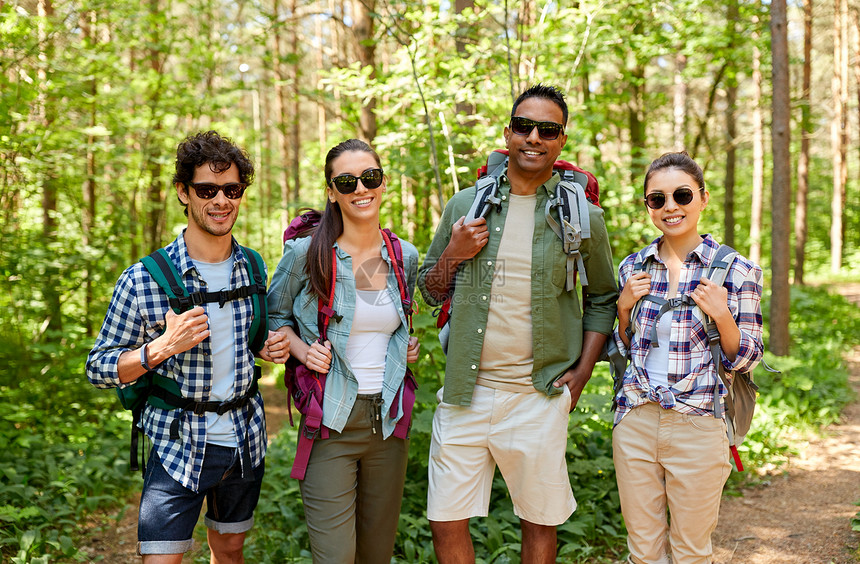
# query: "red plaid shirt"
[692,373]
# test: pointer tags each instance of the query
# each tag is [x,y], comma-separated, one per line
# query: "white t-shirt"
[376,319]
[657,359]
[222,339]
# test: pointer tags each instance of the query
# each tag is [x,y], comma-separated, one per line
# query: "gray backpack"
[566,213]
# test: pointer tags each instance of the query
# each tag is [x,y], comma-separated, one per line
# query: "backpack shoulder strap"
[572,226]
[395,251]
[163,271]
[259,331]
[487,187]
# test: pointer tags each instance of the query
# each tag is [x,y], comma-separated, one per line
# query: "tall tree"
[838,130]
[757,203]
[732,13]
[46,114]
[800,206]
[679,103]
[781,184]
[365,41]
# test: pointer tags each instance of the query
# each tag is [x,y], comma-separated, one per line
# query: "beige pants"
[665,459]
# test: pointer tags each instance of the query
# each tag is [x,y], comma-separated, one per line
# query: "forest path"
[803,515]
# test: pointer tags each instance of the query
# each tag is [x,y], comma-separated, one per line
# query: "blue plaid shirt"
[136,316]
[692,373]
[291,302]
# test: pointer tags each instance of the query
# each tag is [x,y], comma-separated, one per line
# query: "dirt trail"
[803,515]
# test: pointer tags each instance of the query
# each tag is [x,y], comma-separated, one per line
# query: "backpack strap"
[487,187]
[259,330]
[395,251]
[572,226]
[160,266]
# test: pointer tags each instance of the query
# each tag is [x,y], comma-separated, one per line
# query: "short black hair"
[547,91]
[210,148]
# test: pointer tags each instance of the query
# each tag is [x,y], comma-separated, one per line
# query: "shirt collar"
[704,252]
[184,262]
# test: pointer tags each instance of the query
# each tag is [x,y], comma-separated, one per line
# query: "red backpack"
[307,388]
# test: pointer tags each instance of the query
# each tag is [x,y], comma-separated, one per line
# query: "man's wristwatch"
[143,360]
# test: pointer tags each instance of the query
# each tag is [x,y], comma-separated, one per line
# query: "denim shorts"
[169,511]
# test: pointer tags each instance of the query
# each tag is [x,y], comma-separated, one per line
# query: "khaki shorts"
[525,434]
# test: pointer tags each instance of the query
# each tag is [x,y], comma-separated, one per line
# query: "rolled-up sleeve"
[601,294]
[287,283]
[624,273]
[744,285]
[122,330]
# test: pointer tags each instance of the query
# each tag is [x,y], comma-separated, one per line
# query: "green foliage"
[63,455]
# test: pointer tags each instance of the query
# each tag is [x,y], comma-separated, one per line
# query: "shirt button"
[480,331]
[474,367]
[484,298]
[498,228]
[504,197]
[489,263]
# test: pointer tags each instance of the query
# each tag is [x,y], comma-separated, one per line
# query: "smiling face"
[676,221]
[363,204]
[216,216]
[531,158]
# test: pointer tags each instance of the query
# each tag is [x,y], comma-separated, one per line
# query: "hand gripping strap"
[308,387]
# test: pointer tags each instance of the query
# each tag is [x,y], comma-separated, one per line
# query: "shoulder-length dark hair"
[318,266]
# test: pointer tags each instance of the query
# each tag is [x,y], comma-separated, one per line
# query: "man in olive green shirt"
[520,349]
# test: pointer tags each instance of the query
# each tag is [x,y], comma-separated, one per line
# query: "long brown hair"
[318,267]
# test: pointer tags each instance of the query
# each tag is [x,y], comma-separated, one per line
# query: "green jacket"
[558,322]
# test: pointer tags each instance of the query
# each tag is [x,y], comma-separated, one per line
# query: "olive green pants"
[353,489]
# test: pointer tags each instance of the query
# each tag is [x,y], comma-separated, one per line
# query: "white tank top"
[657,359]
[222,342]
[376,319]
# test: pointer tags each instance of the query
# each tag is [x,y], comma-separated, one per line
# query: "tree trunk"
[462,107]
[88,19]
[838,131]
[731,128]
[154,194]
[781,186]
[679,102]
[758,148]
[800,207]
[366,48]
[295,137]
[281,104]
[636,122]
[46,113]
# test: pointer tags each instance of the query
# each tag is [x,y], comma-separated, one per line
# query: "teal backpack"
[164,393]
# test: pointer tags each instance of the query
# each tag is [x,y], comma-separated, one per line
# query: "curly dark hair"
[546,91]
[212,149]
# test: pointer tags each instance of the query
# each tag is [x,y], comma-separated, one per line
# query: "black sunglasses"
[548,130]
[656,200]
[208,190]
[347,183]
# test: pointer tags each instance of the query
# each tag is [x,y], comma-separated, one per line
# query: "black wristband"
[143,360]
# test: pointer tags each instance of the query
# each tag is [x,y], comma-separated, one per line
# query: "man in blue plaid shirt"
[197,454]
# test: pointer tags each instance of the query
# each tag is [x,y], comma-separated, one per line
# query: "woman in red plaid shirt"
[670,451]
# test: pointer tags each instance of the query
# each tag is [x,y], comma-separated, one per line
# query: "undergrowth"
[64,450]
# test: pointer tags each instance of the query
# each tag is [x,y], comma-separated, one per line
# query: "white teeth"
[532,153]
[362,202]
[673,220]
